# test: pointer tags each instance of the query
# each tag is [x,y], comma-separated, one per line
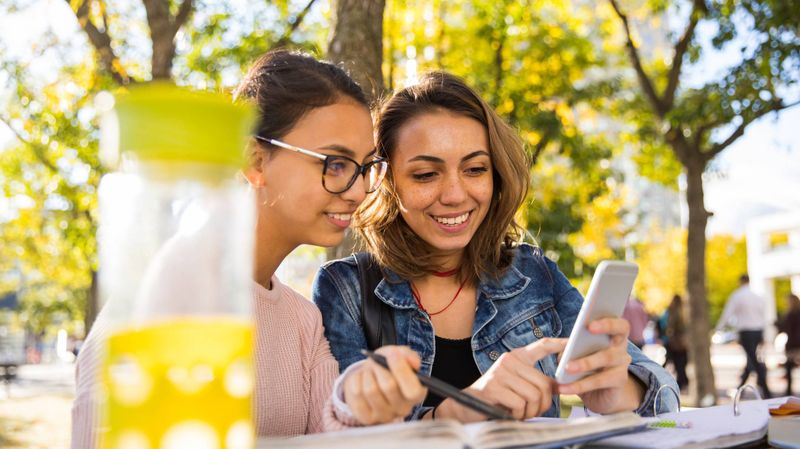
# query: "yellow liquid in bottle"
[180,384]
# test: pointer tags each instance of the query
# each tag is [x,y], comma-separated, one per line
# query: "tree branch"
[703,129]
[184,11]
[716,149]
[294,25]
[38,151]
[681,47]
[538,148]
[644,80]
[101,41]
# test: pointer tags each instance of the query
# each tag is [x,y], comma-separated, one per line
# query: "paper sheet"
[711,424]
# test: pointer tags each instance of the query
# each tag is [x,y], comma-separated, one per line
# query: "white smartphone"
[609,291]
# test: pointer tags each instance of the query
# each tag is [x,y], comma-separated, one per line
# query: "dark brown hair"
[286,85]
[378,221]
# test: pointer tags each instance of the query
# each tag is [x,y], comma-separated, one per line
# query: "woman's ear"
[254,172]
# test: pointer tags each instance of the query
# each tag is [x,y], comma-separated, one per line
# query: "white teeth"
[453,221]
[343,217]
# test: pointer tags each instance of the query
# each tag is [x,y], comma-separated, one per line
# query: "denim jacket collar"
[510,284]
[396,292]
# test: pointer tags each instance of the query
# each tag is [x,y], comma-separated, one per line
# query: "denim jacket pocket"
[531,326]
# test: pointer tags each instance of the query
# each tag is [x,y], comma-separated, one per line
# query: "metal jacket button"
[538,332]
[494,355]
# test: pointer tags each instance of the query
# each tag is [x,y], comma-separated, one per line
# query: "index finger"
[540,349]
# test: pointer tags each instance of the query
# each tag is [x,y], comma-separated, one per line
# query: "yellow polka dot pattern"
[183,383]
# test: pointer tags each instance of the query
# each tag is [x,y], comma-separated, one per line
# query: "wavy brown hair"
[378,221]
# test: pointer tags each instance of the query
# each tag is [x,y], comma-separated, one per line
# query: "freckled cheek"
[416,199]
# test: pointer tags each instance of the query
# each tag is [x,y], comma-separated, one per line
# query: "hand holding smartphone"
[609,291]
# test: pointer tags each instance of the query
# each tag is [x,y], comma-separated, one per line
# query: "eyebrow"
[346,151]
[339,149]
[437,160]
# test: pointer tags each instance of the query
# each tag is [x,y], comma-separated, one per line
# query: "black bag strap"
[376,316]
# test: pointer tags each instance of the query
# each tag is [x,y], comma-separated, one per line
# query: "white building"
[767,260]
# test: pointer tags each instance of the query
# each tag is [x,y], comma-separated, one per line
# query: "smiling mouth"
[452,221]
[341,217]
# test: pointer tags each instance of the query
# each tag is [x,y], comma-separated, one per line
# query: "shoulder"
[299,304]
[340,278]
[531,261]
[345,267]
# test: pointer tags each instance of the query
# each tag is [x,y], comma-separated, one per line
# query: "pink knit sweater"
[294,370]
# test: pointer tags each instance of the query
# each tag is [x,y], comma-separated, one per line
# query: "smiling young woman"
[312,161]
[494,327]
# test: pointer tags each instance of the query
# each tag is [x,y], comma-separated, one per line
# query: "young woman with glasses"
[485,312]
[312,163]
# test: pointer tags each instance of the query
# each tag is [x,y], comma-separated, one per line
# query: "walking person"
[745,312]
[790,324]
[675,331]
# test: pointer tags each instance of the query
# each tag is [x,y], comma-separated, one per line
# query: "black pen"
[448,391]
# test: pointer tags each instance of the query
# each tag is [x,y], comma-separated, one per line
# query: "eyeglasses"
[339,173]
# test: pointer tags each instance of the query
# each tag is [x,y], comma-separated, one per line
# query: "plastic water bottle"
[175,266]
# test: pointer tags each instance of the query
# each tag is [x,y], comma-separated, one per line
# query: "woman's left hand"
[611,389]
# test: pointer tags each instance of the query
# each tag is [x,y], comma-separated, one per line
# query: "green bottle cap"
[161,122]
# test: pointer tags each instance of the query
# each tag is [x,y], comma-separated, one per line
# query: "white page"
[708,424]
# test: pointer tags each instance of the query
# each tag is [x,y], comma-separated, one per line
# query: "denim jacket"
[531,300]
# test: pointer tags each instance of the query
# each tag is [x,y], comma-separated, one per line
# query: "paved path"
[35,408]
[728,361]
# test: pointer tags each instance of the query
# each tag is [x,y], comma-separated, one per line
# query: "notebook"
[443,434]
[711,427]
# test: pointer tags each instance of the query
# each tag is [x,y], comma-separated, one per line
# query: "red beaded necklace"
[442,274]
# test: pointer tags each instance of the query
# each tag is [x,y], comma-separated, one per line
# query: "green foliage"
[223,41]
[532,62]
[726,260]
[50,177]
[783,287]
[764,34]
[662,269]
[50,173]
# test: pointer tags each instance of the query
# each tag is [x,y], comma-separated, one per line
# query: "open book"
[441,434]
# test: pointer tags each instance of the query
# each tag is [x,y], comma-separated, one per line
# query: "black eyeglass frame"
[361,170]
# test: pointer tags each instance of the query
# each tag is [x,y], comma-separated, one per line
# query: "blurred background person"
[745,311]
[638,318]
[790,324]
[675,337]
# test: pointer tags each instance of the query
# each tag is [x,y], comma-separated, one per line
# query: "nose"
[357,192]
[453,190]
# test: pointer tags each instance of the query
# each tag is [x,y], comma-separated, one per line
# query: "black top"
[453,364]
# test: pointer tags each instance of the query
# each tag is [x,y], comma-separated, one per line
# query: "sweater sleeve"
[324,370]
[86,406]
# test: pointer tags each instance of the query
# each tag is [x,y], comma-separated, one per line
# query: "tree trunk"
[92,305]
[163,37]
[702,386]
[357,44]
[163,53]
